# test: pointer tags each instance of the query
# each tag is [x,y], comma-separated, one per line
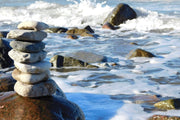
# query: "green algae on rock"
[168,104]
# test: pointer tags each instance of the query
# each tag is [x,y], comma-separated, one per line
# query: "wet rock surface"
[121,13]
[15,107]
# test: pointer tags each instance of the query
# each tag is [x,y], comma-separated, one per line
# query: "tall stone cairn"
[32,72]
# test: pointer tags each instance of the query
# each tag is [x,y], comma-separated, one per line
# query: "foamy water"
[107,93]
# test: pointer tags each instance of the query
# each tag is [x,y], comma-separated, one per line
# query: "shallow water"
[126,92]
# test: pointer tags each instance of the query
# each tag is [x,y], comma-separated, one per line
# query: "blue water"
[109,93]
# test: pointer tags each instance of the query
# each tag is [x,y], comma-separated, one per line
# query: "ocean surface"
[126,92]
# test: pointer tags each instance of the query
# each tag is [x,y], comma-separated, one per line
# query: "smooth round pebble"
[38,67]
[46,88]
[33,25]
[30,78]
[30,47]
[27,35]
[23,57]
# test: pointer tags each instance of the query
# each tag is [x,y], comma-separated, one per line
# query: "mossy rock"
[63,61]
[140,53]
[168,104]
[121,13]
[163,117]
[15,107]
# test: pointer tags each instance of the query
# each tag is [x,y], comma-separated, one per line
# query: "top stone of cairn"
[33,25]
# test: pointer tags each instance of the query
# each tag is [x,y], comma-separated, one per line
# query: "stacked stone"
[32,72]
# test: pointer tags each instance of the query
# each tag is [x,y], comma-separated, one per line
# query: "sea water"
[126,92]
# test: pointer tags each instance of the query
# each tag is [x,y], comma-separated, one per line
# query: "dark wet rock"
[164,117]
[108,25]
[27,46]
[81,32]
[5,60]
[121,13]
[140,53]
[3,34]
[63,61]
[15,107]
[7,83]
[56,30]
[89,29]
[168,104]
[89,57]
[72,36]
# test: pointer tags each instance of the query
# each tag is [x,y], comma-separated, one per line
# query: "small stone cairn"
[32,72]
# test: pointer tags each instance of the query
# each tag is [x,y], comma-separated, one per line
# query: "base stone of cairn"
[34,98]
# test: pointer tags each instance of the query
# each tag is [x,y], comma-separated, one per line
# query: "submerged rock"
[15,107]
[121,13]
[5,60]
[164,117]
[81,32]
[168,104]
[56,30]
[140,53]
[108,25]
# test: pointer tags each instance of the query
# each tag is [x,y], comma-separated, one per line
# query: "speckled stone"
[30,47]
[45,88]
[27,35]
[38,67]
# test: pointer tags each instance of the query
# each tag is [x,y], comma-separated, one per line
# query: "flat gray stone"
[30,78]
[27,46]
[24,57]
[33,25]
[27,35]
[89,57]
[38,67]
[46,88]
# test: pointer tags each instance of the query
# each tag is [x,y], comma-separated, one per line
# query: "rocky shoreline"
[28,50]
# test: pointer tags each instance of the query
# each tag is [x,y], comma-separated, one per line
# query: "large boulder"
[64,61]
[140,53]
[121,13]
[5,60]
[15,107]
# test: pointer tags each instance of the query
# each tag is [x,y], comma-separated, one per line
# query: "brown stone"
[81,32]
[140,53]
[109,26]
[164,117]
[15,107]
[72,37]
